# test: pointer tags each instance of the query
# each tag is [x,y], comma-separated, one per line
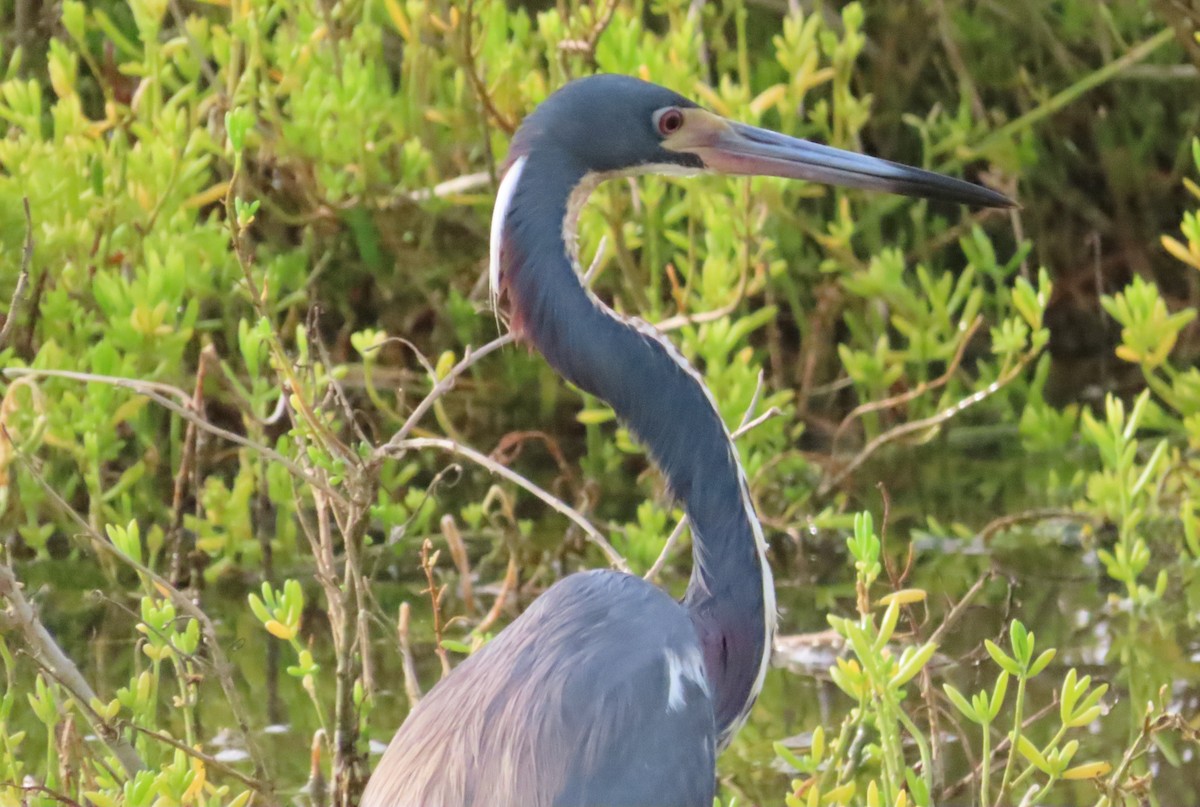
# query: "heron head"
[620,124]
[609,123]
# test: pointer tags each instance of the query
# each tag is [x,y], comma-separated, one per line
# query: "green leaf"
[259,609]
[911,663]
[1009,665]
[888,626]
[1041,662]
[998,693]
[1070,694]
[1031,753]
[1022,642]
[592,417]
[74,19]
[961,704]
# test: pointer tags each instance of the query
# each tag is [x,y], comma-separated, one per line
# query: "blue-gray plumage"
[606,692]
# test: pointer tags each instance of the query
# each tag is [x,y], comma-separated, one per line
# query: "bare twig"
[668,549]
[476,81]
[314,337]
[679,320]
[221,666]
[451,187]
[22,277]
[47,653]
[443,385]
[586,47]
[61,798]
[915,392]
[195,753]
[1151,725]
[395,447]
[186,465]
[594,266]
[412,686]
[512,444]
[770,414]
[345,600]
[960,607]
[1026,517]
[930,422]
[159,394]
[429,559]
[458,553]
[506,588]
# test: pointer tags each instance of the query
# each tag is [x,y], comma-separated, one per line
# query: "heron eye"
[670,121]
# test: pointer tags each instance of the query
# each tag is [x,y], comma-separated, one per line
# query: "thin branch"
[187,461]
[451,187]
[507,587]
[339,393]
[61,798]
[476,81]
[158,393]
[770,414]
[1028,516]
[926,423]
[594,266]
[209,761]
[220,662]
[412,686]
[667,550]
[458,553]
[443,385]
[915,392]
[22,277]
[435,592]
[586,47]
[47,652]
[960,607]
[679,320]
[395,447]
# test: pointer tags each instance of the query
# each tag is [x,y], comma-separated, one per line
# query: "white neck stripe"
[504,196]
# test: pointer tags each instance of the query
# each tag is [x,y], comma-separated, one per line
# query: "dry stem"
[158,392]
[614,557]
[22,277]
[915,392]
[221,666]
[46,652]
[930,422]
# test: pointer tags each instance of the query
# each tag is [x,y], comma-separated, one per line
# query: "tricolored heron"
[607,692]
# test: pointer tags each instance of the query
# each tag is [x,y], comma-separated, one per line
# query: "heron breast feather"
[595,696]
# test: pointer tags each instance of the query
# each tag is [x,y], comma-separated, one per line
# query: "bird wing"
[595,697]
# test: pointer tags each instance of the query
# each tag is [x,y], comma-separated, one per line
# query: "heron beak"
[735,148]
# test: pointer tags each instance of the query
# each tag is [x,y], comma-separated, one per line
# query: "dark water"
[1045,574]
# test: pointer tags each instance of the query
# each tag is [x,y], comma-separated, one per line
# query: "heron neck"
[664,402]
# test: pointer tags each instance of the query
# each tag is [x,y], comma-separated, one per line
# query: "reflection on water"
[1046,576]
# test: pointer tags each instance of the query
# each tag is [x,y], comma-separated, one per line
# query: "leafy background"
[250,466]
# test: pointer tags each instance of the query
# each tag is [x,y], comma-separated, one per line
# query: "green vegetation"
[265,463]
